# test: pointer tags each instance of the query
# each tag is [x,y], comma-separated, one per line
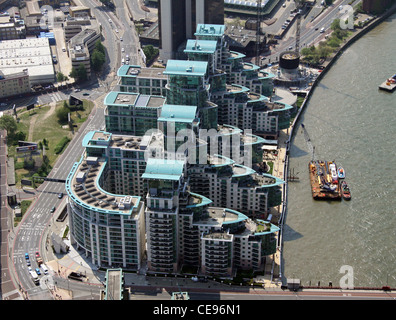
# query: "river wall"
[294,125]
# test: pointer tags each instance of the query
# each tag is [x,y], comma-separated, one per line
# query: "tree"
[8,123]
[150,52]
[62,114]
[79,74]
[100,47]
[97,60]
[82,72]
[60,77]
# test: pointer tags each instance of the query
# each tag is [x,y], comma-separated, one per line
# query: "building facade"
[14,84]
[177,21]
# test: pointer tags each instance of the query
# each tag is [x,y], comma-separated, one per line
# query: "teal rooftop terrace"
[215,30]
[186,68]
[201,46]
[163,169]
[178,113]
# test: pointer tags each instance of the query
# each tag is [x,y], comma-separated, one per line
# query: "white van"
[44,268]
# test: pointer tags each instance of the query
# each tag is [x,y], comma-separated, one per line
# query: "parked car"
[60,195]
[53,209]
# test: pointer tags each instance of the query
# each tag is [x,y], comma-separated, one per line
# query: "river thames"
[352,122]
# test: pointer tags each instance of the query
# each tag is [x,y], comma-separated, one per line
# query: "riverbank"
[327,65]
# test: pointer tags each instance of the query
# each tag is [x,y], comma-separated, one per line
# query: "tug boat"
[346,193]
[341,173]
[333,171]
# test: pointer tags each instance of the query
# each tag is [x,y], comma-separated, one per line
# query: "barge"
[324,184]
[389,85]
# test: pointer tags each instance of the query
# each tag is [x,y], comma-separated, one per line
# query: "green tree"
[62,114]
[60,77]
[79,73]
[82,72]
[150,52]
[100,47]
[8,123]
[97,60]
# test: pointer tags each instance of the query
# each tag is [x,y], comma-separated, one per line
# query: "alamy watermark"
[196,147]
[346,281]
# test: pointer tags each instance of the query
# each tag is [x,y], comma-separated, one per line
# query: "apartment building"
[184,229]
[236,186]
[108,227]
[149,81]
[11,28]
[14,83]
[132,113]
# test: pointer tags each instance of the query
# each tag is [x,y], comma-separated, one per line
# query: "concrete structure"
[11,28]
[14,84]
[33,54]
[114,285]
[178,21]
[80,47]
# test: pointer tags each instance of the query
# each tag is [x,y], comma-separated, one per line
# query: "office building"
[178,21]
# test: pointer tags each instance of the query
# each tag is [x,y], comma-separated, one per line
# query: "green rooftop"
[163,169]
[186,68]
[178,113]
[201,46]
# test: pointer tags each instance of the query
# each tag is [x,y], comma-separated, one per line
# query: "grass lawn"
[43,123]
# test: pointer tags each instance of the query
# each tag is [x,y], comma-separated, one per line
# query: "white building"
[33,54]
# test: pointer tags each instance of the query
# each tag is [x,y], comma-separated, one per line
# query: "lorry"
[39,260]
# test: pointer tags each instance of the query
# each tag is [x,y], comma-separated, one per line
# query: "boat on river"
[341,172]
[346,193]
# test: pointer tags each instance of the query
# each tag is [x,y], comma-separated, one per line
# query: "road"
[310,29]
[31,234]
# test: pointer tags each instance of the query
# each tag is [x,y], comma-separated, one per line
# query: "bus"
[35,277]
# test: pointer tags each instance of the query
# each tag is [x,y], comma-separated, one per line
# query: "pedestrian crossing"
[52,97]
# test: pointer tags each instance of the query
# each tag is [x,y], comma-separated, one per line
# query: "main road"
[31,234]
[310,33]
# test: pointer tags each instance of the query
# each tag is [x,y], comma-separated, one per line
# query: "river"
[352,122]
